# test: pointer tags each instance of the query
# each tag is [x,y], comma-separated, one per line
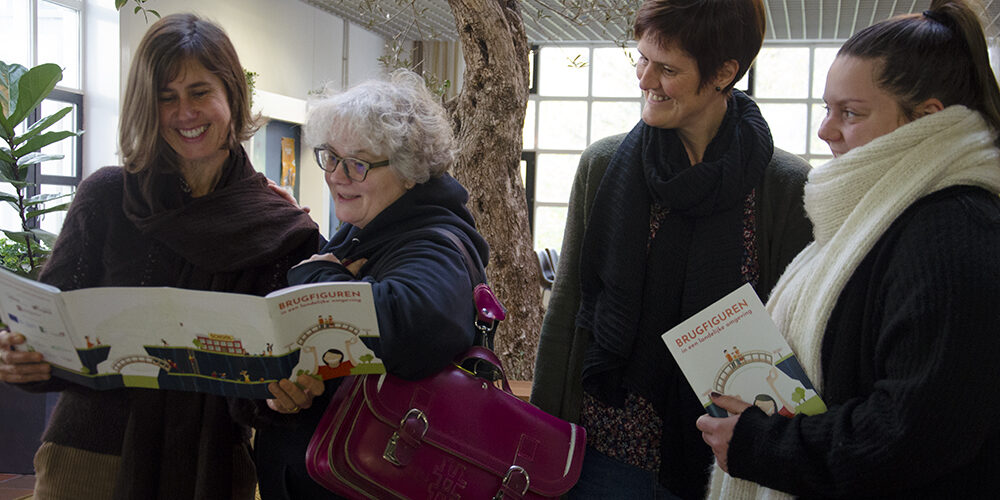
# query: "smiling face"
[195,116]
[858,111]
[357,203]
[671,84]
[333,359]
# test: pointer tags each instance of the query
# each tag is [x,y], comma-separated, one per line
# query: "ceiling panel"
[560,21]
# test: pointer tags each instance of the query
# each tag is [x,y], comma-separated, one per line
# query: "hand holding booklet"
[169,338]
[733,347]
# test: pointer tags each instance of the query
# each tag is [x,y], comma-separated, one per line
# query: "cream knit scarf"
[851,201]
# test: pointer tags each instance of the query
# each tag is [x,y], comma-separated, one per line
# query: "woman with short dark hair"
[694,202]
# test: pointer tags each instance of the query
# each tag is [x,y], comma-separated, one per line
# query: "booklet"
[734,348]
[169,338]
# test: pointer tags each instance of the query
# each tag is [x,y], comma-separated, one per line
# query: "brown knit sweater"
[144,230]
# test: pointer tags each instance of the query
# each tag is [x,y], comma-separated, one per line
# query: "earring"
[718,89]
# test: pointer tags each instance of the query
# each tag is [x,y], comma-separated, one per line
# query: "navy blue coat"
[423,300]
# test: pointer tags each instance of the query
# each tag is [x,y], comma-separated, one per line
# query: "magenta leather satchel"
[451,435]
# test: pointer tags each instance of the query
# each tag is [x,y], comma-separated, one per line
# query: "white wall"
[294,47]
[101,84]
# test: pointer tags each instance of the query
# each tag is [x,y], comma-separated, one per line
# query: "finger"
[21,373]
[310,385]
[296,394]
[276,405]
[23,378]
[329,257]
[9,339]
[20,357]
[282,402]
[706,424]
[731,404]
[305,208]
[355,266]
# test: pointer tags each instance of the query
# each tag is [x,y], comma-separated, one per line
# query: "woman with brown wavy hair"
[187,210]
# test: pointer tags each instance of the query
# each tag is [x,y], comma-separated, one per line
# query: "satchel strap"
[474,359]
[489,311]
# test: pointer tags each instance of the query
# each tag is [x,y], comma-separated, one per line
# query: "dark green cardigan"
[782,231]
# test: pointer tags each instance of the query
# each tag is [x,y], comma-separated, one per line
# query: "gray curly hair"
[397,117]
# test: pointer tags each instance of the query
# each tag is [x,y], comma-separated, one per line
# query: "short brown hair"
[939,54]
[711,31]
[162,52]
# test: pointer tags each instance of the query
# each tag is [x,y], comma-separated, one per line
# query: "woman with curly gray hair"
[386,147]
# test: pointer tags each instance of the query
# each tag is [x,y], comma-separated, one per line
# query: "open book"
[168,338]
[733,347]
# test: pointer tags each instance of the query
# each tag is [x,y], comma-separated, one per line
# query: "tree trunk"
[489,118]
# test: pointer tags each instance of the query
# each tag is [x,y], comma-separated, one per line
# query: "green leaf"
[13,180]
[17,235]
[42,124]
[36,157]
[58,208]
[120,3]
[42,198]
[9,76]
[137,9]
[8,197]
[38,142]
[32,88]
[153,12]
[5,156]
[45,237]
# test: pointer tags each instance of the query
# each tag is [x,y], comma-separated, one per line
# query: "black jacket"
[423,300]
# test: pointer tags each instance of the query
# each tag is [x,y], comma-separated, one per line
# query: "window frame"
[752,78]
[535,100]
[68,95]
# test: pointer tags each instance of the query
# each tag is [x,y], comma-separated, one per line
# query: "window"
[788,87]
[48,31]
[583,93]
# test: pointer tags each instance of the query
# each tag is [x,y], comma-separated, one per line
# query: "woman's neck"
[696,137]
[202,176]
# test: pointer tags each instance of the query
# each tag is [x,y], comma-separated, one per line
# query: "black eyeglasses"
[355,169]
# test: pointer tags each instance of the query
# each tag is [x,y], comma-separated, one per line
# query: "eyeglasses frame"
[340,162]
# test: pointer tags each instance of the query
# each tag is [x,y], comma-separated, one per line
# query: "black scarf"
[226,237]
[631,293]
[237,226]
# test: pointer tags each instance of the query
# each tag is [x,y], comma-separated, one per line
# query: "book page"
[170,338]
[33,309]
[333,325]
[734,348]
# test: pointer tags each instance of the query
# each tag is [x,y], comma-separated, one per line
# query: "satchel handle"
[480,355]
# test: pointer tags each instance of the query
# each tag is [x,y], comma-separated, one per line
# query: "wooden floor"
[16,486]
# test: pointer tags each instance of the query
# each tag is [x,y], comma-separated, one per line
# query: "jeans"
[603,477]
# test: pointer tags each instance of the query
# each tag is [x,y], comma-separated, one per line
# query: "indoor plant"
[21,91]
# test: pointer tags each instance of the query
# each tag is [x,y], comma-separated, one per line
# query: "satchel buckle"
[515,473]
[392,448]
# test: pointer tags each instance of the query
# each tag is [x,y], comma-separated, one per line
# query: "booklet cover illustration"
[733,347]
[168,338]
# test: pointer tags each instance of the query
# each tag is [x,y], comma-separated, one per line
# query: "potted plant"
[22,90]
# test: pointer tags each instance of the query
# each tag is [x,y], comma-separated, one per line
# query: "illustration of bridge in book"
[220,363]
[741,373]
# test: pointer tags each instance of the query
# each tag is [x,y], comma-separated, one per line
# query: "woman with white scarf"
[893,310]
